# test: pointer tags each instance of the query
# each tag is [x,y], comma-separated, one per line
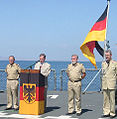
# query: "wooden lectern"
[32,85]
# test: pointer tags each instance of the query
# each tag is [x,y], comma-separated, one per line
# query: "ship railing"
[58,81]
[3,79]
[91,83]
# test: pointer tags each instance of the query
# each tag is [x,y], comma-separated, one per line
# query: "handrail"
[2,70]
[62,76]
[54,77]
[87,69]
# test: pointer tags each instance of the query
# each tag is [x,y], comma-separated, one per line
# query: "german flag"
[97,33]
[32,85]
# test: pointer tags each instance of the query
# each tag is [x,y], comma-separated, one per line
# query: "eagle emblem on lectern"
[29,93]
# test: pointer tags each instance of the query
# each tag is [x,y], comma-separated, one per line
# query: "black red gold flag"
[97,33]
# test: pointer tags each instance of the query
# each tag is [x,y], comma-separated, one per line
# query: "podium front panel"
[32,85]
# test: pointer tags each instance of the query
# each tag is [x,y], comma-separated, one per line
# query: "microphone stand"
[30,67]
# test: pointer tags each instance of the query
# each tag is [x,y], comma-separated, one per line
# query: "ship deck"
[57,107]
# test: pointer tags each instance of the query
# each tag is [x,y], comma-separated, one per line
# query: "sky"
[54,27]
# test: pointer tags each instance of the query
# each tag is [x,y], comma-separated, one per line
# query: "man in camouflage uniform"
[12,71]
[75,72]
[109,77]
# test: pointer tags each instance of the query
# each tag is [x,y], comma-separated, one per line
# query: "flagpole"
[105,41]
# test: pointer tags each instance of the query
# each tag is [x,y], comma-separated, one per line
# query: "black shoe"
[103,116]
[8,108]
[15,109]
[112,116]
[78,114]
[69,113]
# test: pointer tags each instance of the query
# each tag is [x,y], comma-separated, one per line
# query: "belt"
[74,81]
[12,79]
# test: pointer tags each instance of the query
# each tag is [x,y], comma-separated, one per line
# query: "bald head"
[11,59]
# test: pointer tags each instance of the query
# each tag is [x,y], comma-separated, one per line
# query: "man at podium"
[45,70]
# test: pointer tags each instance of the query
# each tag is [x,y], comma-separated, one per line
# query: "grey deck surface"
[57,107]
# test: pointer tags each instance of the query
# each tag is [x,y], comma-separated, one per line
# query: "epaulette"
[69,64]
[103,62]
[17,65]
[113,61]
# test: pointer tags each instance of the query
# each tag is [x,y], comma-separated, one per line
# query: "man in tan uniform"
[75,72]
[45,70]
[12,71]
[109,77]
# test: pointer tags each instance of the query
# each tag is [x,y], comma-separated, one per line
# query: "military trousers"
[12,93]
[74,97]
[109,102]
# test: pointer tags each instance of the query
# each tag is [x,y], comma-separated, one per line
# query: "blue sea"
[58,66]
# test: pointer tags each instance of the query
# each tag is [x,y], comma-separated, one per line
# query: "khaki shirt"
[109,75]
[45,68]
[75,71]
[13,71]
